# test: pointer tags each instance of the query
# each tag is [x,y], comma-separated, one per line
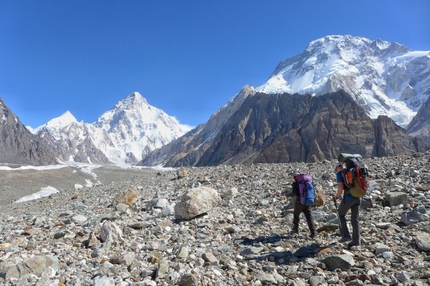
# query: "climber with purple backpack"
[303,190]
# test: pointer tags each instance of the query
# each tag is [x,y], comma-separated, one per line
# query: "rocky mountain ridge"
[276,128]
[420,124]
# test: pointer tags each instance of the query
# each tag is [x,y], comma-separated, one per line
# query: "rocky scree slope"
[99,236]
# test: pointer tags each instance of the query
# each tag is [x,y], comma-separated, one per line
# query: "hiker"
[301,208]
[348,203]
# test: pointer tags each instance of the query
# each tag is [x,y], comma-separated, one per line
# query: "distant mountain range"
[342,94]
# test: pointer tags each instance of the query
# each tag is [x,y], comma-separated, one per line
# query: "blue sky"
[187,58]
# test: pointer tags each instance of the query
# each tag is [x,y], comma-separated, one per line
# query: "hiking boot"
[313,234]
[344,239]
[294,231]
[352,244]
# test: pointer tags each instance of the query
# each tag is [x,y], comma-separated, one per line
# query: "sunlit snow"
[61,121]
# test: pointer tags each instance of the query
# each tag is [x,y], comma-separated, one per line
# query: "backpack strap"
[345,186]
[343,175]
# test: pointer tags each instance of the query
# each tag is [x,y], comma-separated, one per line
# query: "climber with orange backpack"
[352,183]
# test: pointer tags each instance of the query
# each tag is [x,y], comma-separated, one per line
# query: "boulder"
[195,202]
[396,198]
[35,265]
[128,196]
[342,261]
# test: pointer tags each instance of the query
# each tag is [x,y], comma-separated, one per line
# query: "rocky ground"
[126,229]
[23,182]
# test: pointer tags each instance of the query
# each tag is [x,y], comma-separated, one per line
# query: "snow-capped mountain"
[136,128]
[385,78]
[123,134]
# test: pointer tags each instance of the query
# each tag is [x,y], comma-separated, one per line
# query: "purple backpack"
[306,189]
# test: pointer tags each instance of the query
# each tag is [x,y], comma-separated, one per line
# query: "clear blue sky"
[187,57]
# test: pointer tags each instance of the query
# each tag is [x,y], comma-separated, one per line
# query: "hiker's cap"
[336,164]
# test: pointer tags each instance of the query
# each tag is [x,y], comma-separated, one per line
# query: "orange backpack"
[356,177]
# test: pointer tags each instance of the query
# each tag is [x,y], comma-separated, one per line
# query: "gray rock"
[79,219]
[316,280]
[209,257]
[103,281]
[163,268]
[381,248]
[422,240]
[36,266]
[110,232]
[188,280]
[342,261]
[396,198]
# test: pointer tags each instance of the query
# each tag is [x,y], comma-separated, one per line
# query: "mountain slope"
[18,145]
[189,147]
[74,141]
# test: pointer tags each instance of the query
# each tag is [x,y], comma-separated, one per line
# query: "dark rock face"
[283,128]
[420,124]
[18,145]
[392,140]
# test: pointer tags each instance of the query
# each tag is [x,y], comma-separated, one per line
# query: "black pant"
[307,210]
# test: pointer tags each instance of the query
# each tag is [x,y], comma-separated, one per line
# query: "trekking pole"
[335,202]
[337,214]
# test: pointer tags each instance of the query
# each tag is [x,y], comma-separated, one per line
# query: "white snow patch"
[40,168]
[89,184]
[44,192]
[161,168]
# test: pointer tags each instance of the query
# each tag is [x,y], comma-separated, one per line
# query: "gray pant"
[344,206]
